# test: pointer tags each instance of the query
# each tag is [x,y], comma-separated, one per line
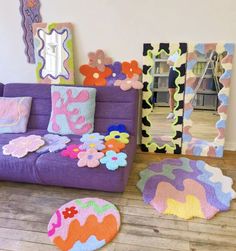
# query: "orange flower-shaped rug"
[84,224]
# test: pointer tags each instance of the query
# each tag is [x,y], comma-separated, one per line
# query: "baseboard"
[230,146]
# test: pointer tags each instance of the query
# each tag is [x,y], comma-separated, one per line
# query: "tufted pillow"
[73,110]
[14,114]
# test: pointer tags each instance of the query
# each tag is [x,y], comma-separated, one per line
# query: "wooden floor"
[203,123]
[26,209]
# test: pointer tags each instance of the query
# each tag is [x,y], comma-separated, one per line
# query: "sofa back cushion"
[1,89]
[14,114]
[113,106]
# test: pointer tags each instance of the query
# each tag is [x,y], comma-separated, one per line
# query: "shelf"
[201,92]
[162,75]
[166,59]
[211,108]
[160,59]
[161,104]
[206,76]
[202,60]
[160,90]
[207,92]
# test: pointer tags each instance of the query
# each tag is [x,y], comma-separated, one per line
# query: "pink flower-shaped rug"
[21,146]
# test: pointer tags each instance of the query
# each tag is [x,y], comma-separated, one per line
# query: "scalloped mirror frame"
[215,148]
[30,12]
[68,47]
[150,50]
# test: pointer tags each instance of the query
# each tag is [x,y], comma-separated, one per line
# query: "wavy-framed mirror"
[54,53]
[164,68]
[208,76]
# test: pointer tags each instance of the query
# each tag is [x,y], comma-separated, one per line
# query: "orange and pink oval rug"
[84,224]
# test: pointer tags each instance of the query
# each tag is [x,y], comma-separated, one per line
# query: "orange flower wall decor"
[101,71]
[113,145]
[129,69]
[94,77]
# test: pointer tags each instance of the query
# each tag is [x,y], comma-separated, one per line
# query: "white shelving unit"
[160,73]
[206,98]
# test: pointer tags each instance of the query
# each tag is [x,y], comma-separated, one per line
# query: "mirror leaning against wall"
[164,78]
[197,88]
[54,53]
[208,78]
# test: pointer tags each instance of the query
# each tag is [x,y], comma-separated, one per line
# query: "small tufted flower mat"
[84,224]
[186,188]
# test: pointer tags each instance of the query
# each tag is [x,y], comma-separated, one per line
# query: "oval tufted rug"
[186,188]
[84,224]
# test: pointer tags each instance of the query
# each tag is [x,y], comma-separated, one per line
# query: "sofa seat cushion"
[20,170]
[53,169]
[6,137]
[23,169]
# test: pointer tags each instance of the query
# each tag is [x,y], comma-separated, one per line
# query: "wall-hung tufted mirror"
[54,53]
[164,67]
[206,98]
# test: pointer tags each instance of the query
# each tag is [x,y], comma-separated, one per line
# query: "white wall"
[120,27]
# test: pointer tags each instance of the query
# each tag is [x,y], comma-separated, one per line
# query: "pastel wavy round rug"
[186,188]
[84,224]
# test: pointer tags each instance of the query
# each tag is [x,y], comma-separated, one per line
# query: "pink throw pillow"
[14,114]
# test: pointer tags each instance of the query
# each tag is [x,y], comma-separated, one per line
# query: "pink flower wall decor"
[73,110]
[129,83]
[21,146]
[99,59]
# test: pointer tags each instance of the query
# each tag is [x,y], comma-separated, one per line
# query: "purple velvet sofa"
[1,89]
[113,106]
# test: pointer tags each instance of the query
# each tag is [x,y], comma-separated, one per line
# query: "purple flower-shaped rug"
[53,143]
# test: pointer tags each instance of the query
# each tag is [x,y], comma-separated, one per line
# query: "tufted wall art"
[30,12]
